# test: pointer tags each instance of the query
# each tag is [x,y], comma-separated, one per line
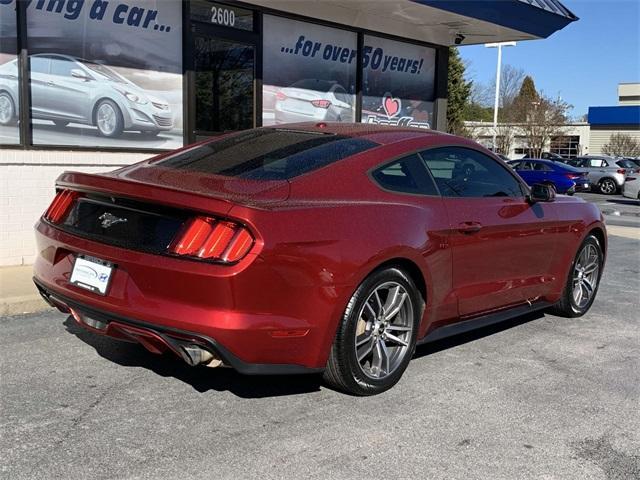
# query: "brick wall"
[27,179]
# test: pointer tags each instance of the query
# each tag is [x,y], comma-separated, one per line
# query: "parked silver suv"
[66,89]
[604,172]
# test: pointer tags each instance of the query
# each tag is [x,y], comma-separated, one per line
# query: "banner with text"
[105,73]
[309,72]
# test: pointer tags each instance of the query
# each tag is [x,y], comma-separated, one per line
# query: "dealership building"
[92,85]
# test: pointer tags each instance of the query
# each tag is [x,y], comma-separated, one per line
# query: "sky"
[582,63]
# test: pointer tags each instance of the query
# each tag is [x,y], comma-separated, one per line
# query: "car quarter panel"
[576,219]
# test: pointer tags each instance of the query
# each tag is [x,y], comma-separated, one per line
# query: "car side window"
[39,64]
[516,165]
[596,163]
[464,172]
[541,167]
[527,166]
[407,175]
[62,67]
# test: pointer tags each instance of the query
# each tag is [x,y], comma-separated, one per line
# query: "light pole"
[499,45]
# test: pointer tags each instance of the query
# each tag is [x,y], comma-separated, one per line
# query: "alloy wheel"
[585,276]
[107,119]
[384,329]
[607,186]
[6,109]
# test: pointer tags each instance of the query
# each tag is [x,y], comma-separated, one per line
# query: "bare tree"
[541,120]
[510,82]
[622,145]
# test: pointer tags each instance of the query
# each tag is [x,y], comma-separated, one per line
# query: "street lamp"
[499,45]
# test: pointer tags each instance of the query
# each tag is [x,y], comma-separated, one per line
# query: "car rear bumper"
[583,186]
[258,320]
[159,339]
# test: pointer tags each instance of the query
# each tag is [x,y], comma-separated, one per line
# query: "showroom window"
[106,74]
[309,72]
[9,76]
[116,75]
[398,83]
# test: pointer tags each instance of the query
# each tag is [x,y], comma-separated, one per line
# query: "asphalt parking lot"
[536,397]
[617,210]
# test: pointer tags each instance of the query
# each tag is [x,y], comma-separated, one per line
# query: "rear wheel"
[377,336]
[607,186]
[584,278]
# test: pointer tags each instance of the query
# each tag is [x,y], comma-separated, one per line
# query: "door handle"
[469,227]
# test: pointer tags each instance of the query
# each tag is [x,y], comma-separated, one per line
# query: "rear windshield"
[311,84]
[569,168]
[268,154]
[626,163]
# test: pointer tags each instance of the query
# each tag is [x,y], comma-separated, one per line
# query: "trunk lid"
[144,208]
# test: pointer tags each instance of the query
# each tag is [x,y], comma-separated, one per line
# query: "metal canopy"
[440,22]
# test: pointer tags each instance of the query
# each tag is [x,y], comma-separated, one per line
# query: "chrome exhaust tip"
[195,355]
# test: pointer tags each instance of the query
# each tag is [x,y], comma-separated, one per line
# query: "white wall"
[599,138]
[27,179]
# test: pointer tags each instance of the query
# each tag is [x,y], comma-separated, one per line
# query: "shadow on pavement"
[456,340]
[204,379]
[623,201]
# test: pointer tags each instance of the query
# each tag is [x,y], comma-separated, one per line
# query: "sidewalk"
[19,295]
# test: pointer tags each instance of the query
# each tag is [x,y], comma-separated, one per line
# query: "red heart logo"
[391,106]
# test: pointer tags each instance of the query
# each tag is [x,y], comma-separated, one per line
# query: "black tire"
[61,123]
[566,306]
[607,186]
[11,116]
[343,371]
[118,127]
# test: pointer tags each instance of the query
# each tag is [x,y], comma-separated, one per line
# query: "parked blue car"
[564,178]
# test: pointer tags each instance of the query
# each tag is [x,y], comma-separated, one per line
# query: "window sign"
[106,74]
[221,14]
[9,84]
[309,72]
[398,83]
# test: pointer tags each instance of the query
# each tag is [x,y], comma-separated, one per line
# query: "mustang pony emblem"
[109,220]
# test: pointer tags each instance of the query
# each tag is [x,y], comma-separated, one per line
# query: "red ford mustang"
[313,247]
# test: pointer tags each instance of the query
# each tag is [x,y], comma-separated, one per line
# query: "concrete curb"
[22,304]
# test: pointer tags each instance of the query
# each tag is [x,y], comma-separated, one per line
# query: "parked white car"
[631,187]
[314,100]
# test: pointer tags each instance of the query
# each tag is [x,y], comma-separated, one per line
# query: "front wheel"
[584,278]
[377,336]
[109,119]
[7,109]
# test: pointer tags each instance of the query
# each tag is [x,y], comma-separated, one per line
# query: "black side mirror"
[541,192]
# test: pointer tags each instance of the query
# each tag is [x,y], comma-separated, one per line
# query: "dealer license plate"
[92,273]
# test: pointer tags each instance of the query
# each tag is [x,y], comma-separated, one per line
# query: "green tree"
[459,91]
[527,96]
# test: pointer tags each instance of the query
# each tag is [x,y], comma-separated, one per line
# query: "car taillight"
[572,176]
[321,103]
[622,171]
[60,206]
[280,96]
[212,239]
